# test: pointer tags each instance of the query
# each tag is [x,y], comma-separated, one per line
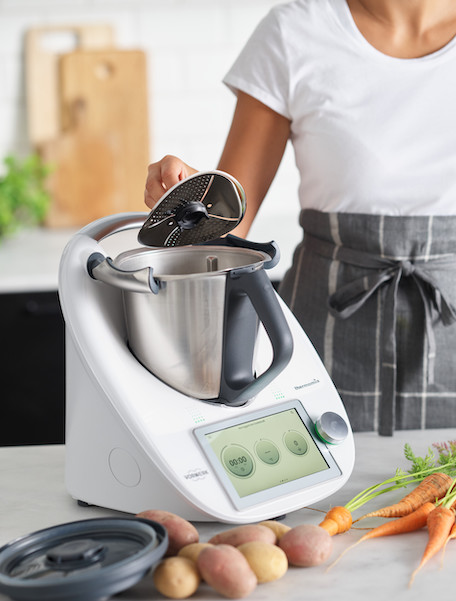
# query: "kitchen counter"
[33,496]
[29,259]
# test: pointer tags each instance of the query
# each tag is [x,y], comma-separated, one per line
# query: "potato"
[278,528]
[244,534]
[192,550]
[225,569]
[306,545]
[269,562]
[180,532]
[176,577]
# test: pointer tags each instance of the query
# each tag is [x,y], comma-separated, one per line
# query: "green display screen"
[268,451]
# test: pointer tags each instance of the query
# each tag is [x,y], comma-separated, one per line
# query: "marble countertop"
[33,496]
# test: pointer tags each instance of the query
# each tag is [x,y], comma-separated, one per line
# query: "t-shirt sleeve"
[261,69]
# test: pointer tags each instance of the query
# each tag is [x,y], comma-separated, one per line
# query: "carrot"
[337,520]
[432,488]
[409,523]
[451,534]
[439,524]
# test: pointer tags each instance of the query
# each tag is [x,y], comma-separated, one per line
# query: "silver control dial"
[331,428]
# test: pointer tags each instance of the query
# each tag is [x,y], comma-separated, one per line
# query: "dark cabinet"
[32,369]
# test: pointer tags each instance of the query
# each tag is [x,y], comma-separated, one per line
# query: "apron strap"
[384,271]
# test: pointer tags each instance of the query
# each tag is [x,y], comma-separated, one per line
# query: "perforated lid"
[87,560]
[202,207]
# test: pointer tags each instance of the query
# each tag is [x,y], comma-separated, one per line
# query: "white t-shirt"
[371,133]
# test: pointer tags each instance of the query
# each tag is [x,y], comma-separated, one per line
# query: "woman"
[365,90]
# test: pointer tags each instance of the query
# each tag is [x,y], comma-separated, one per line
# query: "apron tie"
[346,300]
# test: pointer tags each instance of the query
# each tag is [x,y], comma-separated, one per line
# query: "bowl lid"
[81,561]
[202,207]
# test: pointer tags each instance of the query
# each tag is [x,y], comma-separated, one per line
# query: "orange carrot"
[413,521]
[407,523]
[337,520]
[451,534]
[432,488]
[439,524]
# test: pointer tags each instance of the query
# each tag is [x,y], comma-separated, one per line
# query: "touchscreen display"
[267,451]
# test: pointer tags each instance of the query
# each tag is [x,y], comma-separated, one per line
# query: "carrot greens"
[445,460]
[446,455]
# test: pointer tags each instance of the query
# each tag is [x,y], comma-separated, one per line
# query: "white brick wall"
[190,44]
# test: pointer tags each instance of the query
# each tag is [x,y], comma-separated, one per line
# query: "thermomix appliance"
[190,386]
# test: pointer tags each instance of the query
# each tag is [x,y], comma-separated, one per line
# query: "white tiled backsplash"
[190,44]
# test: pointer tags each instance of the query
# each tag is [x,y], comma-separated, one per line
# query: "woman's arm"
[252,154]
[253,151]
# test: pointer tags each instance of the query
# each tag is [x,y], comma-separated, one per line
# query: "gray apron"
[376,296]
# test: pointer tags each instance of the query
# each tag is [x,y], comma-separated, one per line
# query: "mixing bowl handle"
[237,385]
[103,269]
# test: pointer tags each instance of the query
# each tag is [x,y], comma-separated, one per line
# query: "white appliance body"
[134,443]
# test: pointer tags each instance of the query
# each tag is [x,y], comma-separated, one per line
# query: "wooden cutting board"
[112,85]
[87,179]
[43,46]
[100,157]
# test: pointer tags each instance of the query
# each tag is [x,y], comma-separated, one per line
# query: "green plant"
[24,199]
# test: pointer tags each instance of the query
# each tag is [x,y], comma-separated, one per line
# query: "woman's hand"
[162,176]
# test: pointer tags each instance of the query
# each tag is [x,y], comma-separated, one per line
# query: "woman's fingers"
[162,176]
[154,186]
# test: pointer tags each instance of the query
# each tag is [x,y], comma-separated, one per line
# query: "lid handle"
[76,554]
[188,216]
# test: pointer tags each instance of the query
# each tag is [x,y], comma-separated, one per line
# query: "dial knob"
[331,428]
